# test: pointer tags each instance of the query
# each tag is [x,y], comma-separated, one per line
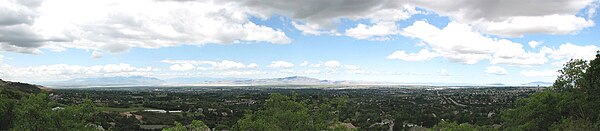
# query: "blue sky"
[409,42]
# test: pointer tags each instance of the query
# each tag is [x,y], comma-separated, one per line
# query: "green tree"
[198,126]
[592,78]
[34,113]
[571,74]
[6,115]
[453,126]
[79,117]
[537,112]
[178,127]
[283,113]
[572,105]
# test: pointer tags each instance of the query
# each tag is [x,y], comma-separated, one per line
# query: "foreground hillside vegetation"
[572,103]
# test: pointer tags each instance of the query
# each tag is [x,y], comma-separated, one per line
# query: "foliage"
[283,113]
[453,126]
[537,112]
[592,78]
[196,125]
[572,105]
[571,73]
[6,107]
[35,113]
[178,127]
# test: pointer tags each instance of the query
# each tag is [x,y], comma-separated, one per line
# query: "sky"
[408,41]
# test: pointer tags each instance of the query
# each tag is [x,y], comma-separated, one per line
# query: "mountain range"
[107,81]
[207,81]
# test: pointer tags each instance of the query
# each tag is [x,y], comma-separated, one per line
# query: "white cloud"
[186,65]
[540,73]
[531,17]
[64,71]
[182,67]
[352,67]
[305,63]
[313,29]
[117,26]
[363,72]
[420,56]
[496,70]
[491,17]
[238,73]
[96,54]
[315,65]
[572,51]
[534,43]
[322,17]
[226,64]
[310,72]
[252,65]
[281,64]
[377,30]
[460,43]
[525,59]
[332,64]
[518,26]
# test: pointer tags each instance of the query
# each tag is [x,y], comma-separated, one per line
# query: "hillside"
[16,90]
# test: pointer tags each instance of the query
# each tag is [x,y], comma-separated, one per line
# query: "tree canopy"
[572,103]
[283,113]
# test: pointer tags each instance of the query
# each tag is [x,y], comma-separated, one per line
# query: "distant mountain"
[495,84]
[16,90]
[292,80]
[107,81]
[538,83]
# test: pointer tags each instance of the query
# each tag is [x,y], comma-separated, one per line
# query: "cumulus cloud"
[352,67]
[378,30]
[490,16]
[518,26]
[281,64]
[420,56]
[182,67]
[322,17]
[64,71]
[305,63]
[531,17]
[496,70]
[460,43]
[540,73]
[572,51]
[252,65]
[534,44]
[116,26]
[96,54]
[332,64]
[186,65]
